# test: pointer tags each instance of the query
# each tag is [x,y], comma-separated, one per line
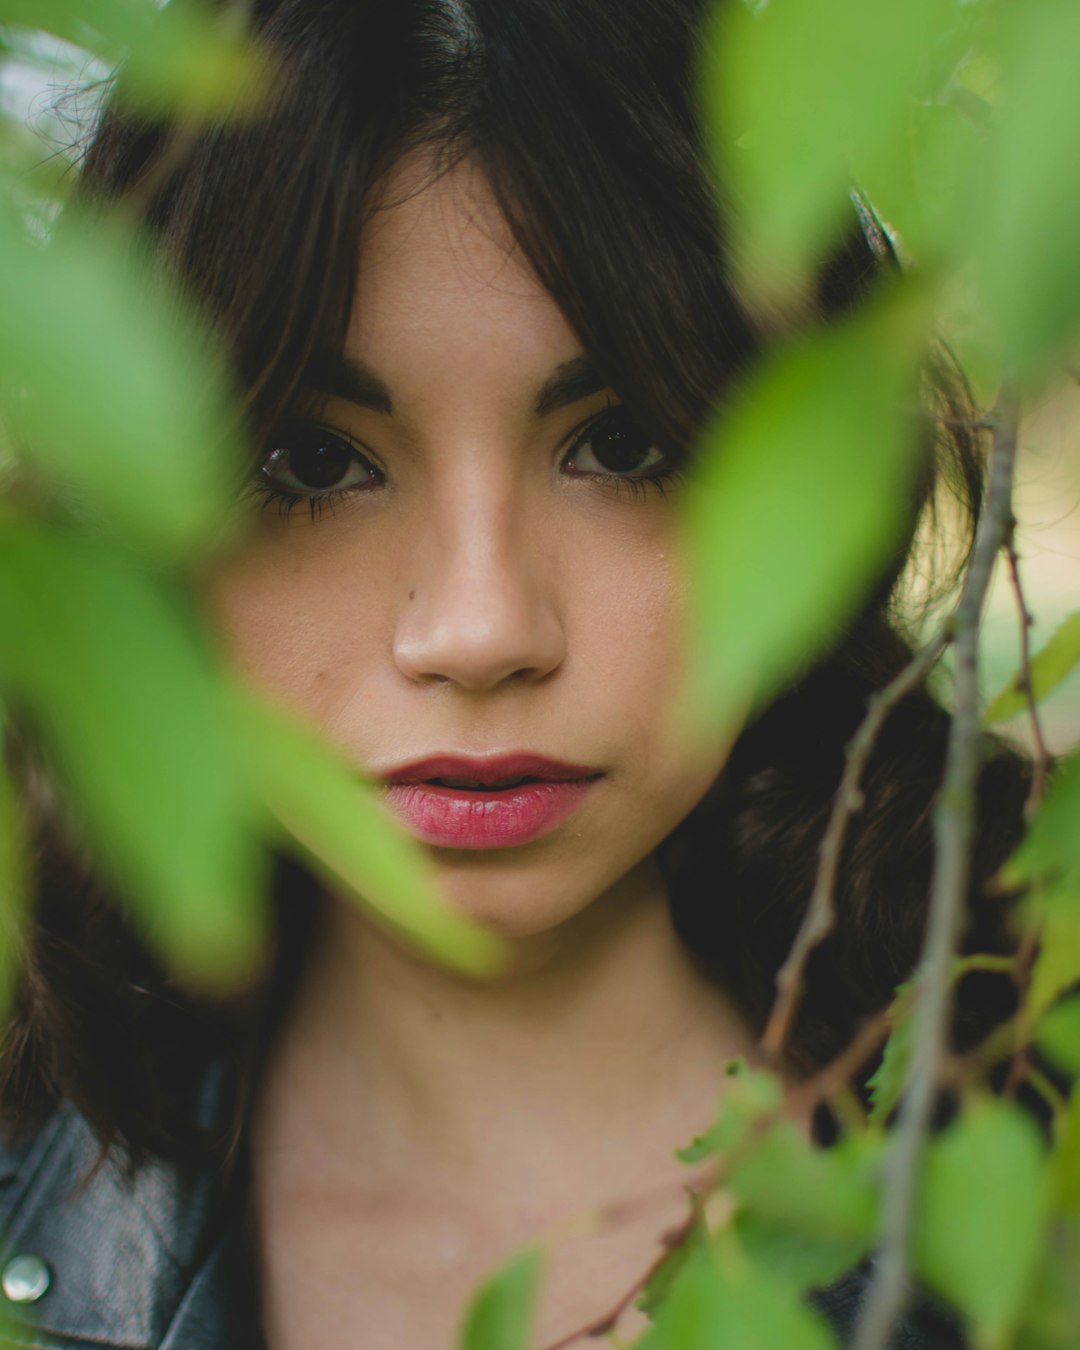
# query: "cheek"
[293,621]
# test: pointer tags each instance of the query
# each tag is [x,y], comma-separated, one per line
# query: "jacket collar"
[137,1260]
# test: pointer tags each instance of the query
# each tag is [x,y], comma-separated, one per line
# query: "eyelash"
[639,486]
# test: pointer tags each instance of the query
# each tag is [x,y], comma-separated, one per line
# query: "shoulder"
[97,1254]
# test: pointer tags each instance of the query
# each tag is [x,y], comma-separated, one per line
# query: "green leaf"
[1051,1317]
[1058,1035]
[1048,864]
[1049,667]
[788,1255]
[1065,1161]
[822,1193]
[180,57]
[1029,215]
[110,669]
[766,66]
[718,1304]
[802,489]
[109,390]
[886,1083]
[500,1315]
[353,840]
[1051,847]
[14,888]
[748,1098]
[659,1285]
[980,1216]
[808,1214]
[1057,966]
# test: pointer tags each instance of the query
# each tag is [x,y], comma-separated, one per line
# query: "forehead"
[441,279]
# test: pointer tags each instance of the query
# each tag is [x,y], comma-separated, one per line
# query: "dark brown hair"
[581,113]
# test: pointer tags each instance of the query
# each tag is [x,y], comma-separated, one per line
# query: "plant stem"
[954,829]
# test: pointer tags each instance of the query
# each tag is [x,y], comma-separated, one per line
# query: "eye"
[313,461]
[615,443]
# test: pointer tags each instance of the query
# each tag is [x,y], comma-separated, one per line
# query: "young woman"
[470,271]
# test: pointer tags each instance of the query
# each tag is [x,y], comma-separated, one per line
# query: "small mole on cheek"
[412,594]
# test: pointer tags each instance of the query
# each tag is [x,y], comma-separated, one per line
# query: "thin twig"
[954,828]
[1043,758]
[604,1325]
[799,1100]
[820,913]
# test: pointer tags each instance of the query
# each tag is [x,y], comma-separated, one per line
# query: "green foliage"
[1058,1036]
[351,839]
[751,1099]
[981,1216]
[13,884]
[1049,667]
[501,1312]
[1048,862]
[177,58]
[1030,208]
[800,497]
[768,65]
[886,1083]
[108,668]
[721,1300]
[83,318]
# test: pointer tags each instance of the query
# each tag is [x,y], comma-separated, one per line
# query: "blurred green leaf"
[928,188]
[1057,966]
[14,882]
[1051,848]
[656,1290]
[1065,1161]
[500,1315]
[886,1083]
[1058,1036]
[1049,667]
[803,485]
[111,673]
[726,1302]
[1029,215]
[980,1215]
[339,820]
[808,1214]
[821,1193]
[798,96]
[1048,864]
[788,1254]
[180,57]
[108,389]
[1052,1309]
[749,1097]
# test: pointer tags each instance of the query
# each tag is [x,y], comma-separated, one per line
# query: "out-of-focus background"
[1048,541]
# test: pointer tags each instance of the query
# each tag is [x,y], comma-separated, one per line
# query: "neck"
[601,1053]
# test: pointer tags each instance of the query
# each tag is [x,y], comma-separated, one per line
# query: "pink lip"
[492,818]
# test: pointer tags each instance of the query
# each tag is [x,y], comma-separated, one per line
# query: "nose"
[482,604]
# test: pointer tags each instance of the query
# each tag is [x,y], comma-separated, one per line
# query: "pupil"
[620,447]
[321,463]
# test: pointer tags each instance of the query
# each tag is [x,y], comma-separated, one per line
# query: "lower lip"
[459,818]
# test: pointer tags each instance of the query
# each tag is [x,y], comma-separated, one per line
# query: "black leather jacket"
[155,1262]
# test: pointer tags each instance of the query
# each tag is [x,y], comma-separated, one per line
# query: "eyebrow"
[340,376]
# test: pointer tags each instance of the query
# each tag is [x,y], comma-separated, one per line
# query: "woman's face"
[457,563]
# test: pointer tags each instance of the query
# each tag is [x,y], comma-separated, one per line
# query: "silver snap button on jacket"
[25,1278]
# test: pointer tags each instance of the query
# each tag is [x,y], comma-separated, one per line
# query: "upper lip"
[487,769]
